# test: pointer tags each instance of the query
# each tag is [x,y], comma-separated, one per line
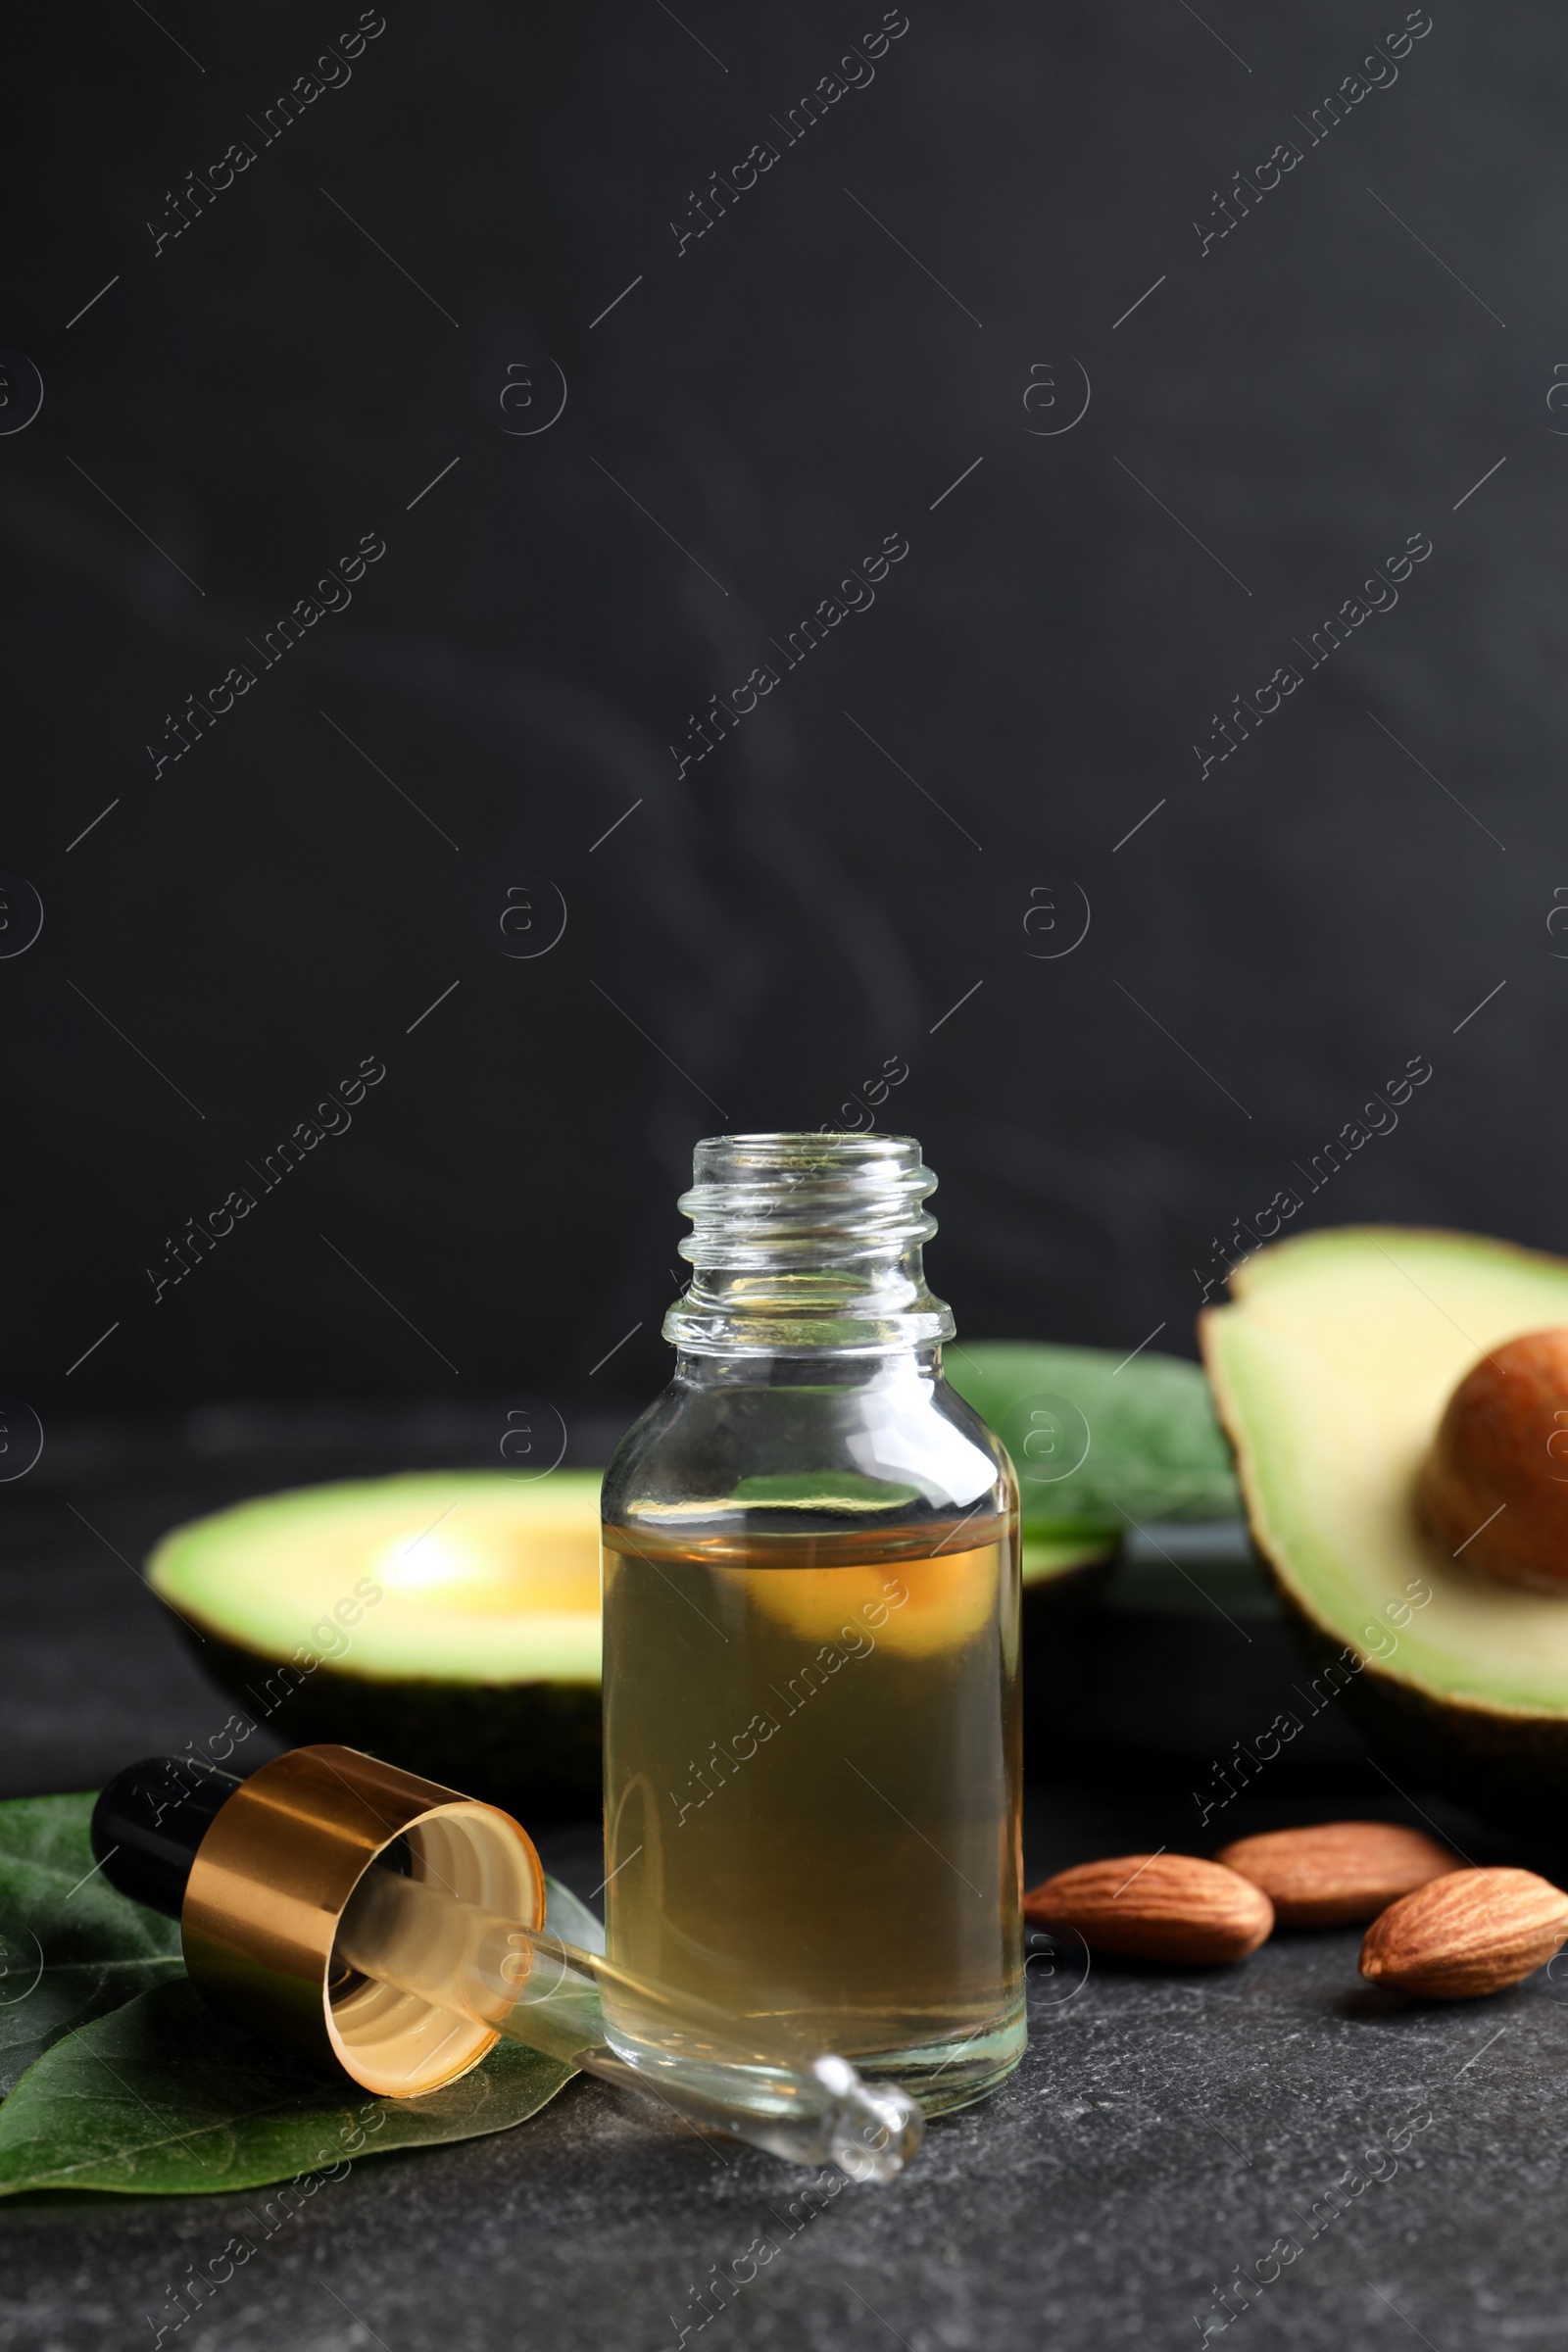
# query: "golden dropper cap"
[270,1883]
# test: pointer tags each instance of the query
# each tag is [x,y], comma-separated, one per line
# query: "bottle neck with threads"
[807,1246]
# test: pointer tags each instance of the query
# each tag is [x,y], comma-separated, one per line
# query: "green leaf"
[1100,1440]
[70,1948]
[165,2098]
[570,1920]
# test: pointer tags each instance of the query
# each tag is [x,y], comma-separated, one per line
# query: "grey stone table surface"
[1345,2169]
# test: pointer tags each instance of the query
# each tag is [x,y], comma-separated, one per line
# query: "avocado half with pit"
[445,1622]
[1332,1369]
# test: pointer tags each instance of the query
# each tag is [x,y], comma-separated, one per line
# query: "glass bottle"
[811,1612]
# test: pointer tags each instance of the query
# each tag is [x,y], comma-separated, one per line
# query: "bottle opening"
[804,1244]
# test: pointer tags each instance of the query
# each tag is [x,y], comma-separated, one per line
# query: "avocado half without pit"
[448,1622]
[1397,1401]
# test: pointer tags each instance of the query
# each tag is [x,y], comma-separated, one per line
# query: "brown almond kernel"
[1471,1933]
[1338,1874]
[1155,1907]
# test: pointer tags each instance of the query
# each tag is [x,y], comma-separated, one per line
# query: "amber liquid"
[813,1788]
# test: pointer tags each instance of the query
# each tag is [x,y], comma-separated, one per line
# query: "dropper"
[718,2072]
[394,1929]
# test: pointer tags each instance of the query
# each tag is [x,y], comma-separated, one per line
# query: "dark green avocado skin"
[1511,1770]
[1053,1609]
[532,1749]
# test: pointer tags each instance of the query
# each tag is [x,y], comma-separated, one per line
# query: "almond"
[1155,1907]
[1340,1874]
[1470,1933]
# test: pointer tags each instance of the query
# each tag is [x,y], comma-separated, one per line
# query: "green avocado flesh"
[1331,1370]
[446,1622]
[1044,1560]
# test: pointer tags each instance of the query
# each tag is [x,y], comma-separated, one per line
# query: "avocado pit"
[1493,1489]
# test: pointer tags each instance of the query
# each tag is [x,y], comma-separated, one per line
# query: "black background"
[1273,944]
[761,934]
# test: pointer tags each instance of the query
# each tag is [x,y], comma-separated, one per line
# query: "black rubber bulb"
[149,1821]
